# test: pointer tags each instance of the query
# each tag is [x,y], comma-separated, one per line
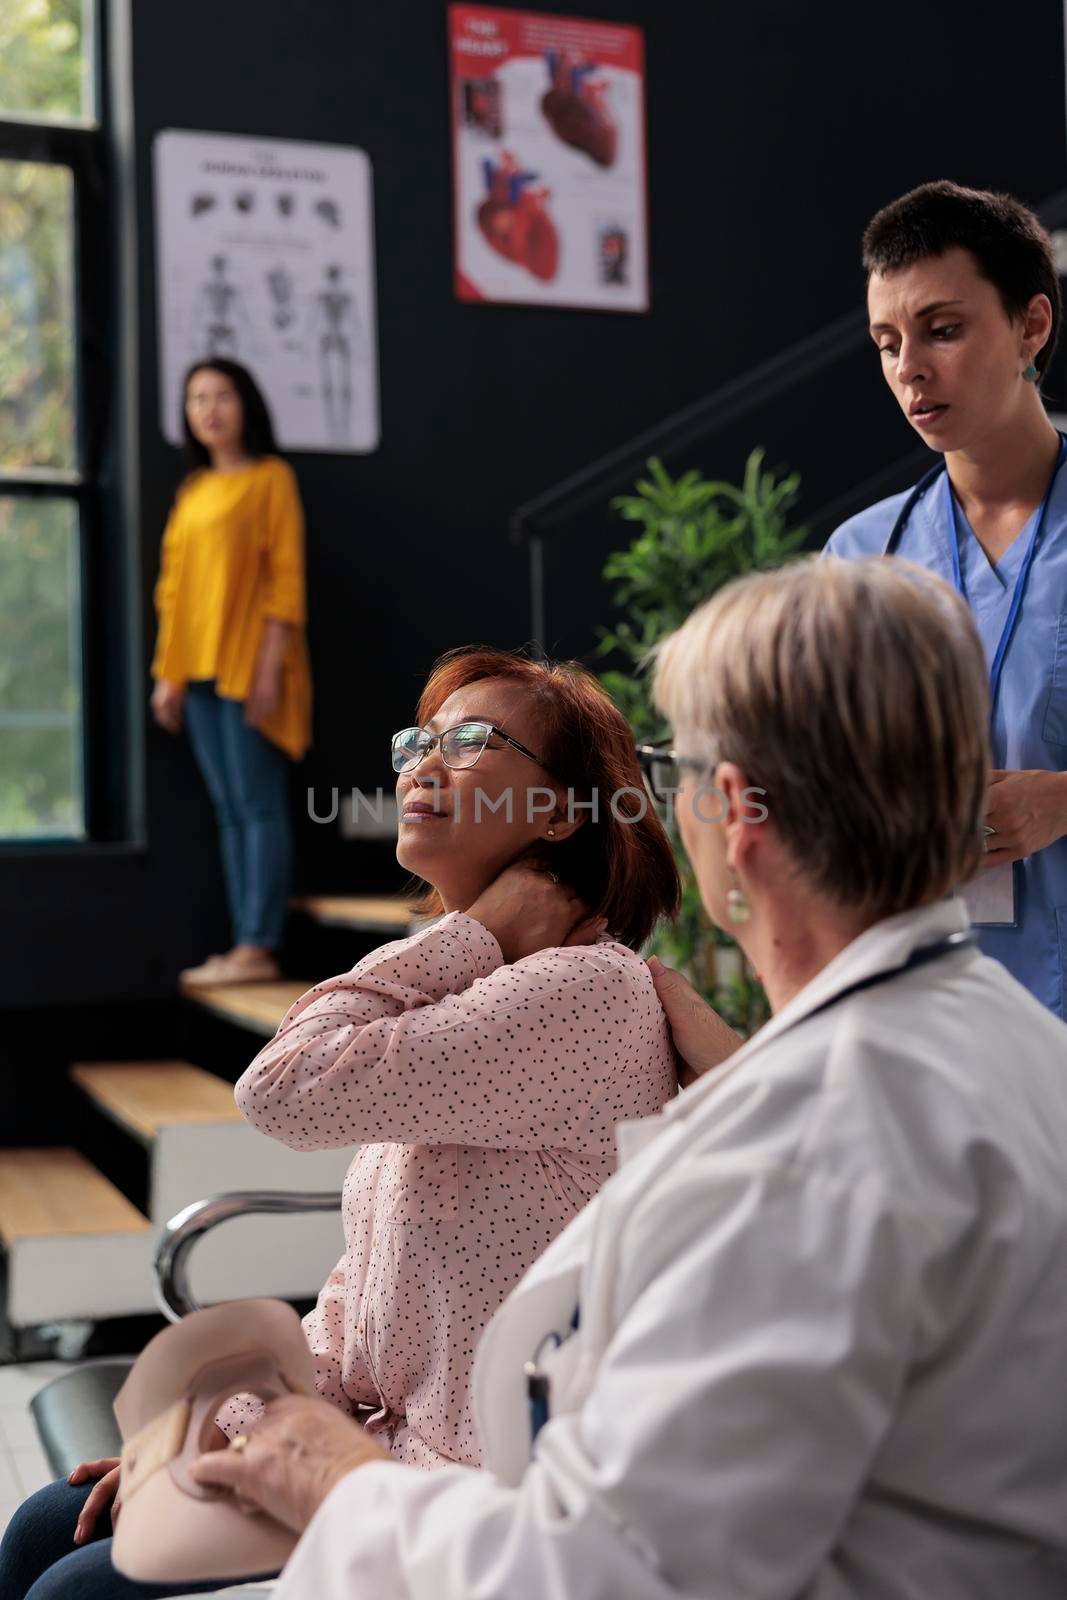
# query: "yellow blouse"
[233,557]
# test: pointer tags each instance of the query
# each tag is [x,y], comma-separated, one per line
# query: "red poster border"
[464,290]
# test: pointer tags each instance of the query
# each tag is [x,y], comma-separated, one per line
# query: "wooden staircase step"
[365,913]
[259,1007]
[56,1192]
[75,1248]
[146,1096]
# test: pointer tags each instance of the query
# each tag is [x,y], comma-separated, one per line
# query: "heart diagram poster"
[265,255]
[548,123]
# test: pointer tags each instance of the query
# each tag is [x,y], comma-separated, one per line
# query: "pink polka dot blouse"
[483,1098]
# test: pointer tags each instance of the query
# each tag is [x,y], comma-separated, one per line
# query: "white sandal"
[224,969]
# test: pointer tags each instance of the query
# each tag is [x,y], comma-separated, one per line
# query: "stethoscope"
[925,483]
[538,1385]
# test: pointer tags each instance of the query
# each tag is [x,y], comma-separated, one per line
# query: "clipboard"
[990,898]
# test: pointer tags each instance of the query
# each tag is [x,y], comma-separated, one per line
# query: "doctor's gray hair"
[856,694]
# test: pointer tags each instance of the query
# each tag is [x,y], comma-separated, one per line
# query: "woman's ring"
[239,1442]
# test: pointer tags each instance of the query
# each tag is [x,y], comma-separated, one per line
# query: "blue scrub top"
[1030,718]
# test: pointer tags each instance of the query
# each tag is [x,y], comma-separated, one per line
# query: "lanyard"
[538,1391]
[1024,570]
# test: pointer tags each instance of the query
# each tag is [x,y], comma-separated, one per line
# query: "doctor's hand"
[291,1460]
[1028,810]
[702,1040]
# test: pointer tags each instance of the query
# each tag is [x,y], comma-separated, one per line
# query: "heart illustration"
[514,220]
[576,109]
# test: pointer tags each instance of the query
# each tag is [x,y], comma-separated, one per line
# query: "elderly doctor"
[809,1340]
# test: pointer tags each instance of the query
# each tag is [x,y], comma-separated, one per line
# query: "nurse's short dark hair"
[855,695]
[1011,248]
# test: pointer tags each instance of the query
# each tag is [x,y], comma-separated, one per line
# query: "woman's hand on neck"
[526,910]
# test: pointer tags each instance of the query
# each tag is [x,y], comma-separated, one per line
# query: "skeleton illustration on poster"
[265,252]
[548,120]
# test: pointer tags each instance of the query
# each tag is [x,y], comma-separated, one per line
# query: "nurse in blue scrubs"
[964,307]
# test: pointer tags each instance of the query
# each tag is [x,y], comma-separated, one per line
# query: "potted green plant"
[695,535]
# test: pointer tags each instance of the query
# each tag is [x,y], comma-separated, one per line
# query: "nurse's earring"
[1031,374]
[737,907]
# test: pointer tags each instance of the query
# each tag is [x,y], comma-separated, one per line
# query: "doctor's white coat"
[823,1343]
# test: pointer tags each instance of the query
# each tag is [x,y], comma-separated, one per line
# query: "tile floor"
[23,1467]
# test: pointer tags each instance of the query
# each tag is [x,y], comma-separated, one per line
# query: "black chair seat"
[74,1416]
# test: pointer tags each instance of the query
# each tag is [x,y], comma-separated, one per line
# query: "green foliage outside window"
[40,669]
[36,316]
[42,73]
[695,535]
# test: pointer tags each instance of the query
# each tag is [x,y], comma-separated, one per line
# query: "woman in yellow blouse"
[231,659]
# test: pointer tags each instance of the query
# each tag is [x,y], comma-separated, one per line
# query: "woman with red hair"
[482,1064]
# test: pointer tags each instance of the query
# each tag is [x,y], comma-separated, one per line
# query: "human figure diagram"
[334,325]
[221,317]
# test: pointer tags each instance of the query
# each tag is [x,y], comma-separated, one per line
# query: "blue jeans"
[246,778]
[40,1561]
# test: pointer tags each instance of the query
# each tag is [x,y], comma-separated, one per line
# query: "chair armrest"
[181,1233]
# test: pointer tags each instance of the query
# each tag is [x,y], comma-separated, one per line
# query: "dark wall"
[775,130]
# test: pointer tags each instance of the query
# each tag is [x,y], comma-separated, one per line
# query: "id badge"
[990,898]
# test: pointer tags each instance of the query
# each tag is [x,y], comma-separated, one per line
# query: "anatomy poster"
[548,119]
[265,254]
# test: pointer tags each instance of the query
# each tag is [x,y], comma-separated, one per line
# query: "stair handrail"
[727,403]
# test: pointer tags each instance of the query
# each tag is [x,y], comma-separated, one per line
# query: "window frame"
[80,145]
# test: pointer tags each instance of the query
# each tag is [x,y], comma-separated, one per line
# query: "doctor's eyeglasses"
[662,768]
[461,746]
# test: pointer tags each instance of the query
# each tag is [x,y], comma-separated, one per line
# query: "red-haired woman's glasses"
[461,746]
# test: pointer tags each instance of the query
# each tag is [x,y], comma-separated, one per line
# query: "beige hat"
[171,1529]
